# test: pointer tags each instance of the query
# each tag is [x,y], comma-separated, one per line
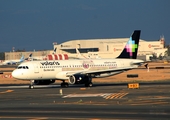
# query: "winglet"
[131,49]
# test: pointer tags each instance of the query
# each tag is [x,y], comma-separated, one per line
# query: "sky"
[37,24]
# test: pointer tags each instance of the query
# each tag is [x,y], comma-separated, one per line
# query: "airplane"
[13,62]
[33,58]
[79,71]
[16,61]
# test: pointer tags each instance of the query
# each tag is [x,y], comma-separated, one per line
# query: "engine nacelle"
[43,82]
[79,79]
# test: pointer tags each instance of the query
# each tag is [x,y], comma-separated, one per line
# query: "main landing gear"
[64,84]
[89,81]
[89,84]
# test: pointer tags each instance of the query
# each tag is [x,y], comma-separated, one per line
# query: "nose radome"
[14,74]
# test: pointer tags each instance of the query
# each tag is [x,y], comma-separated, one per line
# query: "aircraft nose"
[15,74]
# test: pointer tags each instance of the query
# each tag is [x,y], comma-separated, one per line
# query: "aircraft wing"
[99,71]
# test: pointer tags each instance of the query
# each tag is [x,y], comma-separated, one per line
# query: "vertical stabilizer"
[131,49]
[22,58]
[54,51]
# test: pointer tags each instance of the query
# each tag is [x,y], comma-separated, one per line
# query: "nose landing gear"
[31,86]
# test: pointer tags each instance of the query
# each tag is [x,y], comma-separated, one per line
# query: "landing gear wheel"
[31,86]
[90,84]
[64,85]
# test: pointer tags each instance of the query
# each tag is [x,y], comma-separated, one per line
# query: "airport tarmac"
[101,102]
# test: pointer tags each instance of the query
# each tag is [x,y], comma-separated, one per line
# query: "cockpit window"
[23,67]
[20,67]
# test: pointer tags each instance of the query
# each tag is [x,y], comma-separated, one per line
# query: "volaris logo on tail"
[131,46]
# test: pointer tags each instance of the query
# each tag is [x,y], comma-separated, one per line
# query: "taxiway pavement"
[101,102]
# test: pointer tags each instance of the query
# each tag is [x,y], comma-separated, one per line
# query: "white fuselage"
[42,70]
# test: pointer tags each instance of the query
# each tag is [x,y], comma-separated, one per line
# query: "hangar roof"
[117,40]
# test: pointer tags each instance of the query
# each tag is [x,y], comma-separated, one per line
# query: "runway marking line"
[83,95]
[116,95]
[104,95]
[7,91]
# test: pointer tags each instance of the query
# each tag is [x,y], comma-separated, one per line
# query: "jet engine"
[43,82]
[79,79]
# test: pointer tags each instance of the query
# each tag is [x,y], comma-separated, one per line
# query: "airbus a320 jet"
[80,71]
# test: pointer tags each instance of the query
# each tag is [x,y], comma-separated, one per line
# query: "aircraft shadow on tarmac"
[78,86]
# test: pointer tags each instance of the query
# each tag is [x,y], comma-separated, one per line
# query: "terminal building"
[109,48]
[96,48]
